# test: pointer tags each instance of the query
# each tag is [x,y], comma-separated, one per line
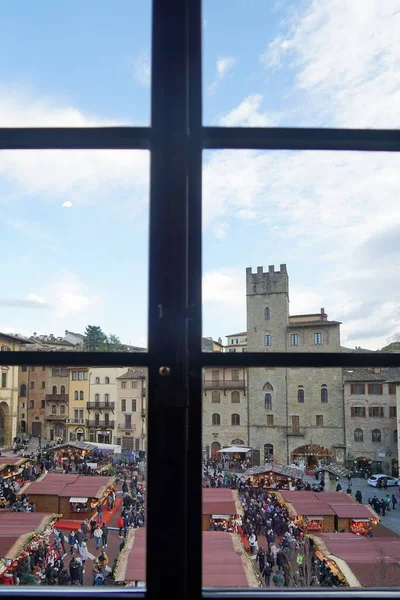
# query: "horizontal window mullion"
[296,138]
[75,138]
[299,359]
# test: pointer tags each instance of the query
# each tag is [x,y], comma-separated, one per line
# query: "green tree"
[113,343]
[95,339]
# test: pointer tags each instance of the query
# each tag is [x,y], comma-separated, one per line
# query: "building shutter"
[363,410]
[369,388]
[370,411]
[352,389]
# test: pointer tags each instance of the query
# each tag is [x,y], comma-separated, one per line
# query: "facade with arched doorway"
[9,392]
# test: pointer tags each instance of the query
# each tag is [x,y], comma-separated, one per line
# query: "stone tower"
[267,295]
[292,412]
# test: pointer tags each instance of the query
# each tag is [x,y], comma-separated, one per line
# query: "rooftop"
[321,323]
[133,374]
[15,338]
[234,334]
[365,374]
[69,486]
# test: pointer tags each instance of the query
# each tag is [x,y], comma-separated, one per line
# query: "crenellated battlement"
[267,282]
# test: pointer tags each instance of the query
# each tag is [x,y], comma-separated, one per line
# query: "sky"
[74,225]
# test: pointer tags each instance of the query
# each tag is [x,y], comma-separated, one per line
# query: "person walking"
[359,496]
[104,536]
[100,513]
[120,525]
[267,572]
[85,529]
[98,534]
[72,540]
[261,559]
[83,552]
[394,501]
[278,579]
[252,542]
[92,527]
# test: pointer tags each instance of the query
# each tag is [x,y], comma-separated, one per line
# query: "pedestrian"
[338,487]
[387,502]
[98,534]
[85,529]
[278,579]
[79,536]
[104,536]
[261,559]
[72,540]
[348,491]
[83,552]
[267,572]
[252,542]
[120,525]
[359,496]
[93,524]
[103,562]
[100,513]
[394,501]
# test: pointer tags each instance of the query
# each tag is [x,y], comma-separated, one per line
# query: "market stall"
[312,516]
[235,456]
[274,476]
[354,518]
[221,506]
[69,495]
[11,468]
[29,535]
[75,453]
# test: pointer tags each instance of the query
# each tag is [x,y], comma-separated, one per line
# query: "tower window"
[317,339]
[294,339]
[267,340]
[267,313]
[324,394]
[300,394]
[268,402]
[254,289]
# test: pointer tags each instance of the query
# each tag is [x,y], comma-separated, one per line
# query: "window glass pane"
[309,458]
[301,233]
[300,64]
[73,268]
[75,65]
[70,436]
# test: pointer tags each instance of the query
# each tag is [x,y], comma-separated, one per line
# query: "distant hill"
[392,347]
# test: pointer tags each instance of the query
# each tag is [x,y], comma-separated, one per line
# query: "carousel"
[274,477]
[312,455]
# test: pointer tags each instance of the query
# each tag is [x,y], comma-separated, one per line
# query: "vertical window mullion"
[168,350]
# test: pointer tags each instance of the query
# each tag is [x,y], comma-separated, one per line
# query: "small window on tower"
[267,340]
[267,313]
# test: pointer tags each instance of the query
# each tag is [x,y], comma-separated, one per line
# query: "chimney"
[324,316]
[377,370]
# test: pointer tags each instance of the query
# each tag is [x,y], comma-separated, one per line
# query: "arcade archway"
[215,447]
[312,455]
[5,425]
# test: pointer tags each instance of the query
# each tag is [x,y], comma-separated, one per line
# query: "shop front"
[274,477]
[354,518]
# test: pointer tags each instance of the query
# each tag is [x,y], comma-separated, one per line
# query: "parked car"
[374,479]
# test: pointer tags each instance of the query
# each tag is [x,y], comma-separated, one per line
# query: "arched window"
[76,397]
[216,419]
[97,397]
[267,313]
[106,397]
[376,435]
[358,435]
[237,442]
[62,390]
[97,380]
[300,394]
[81,395]
[215,397]
[23,390]
[54,389]
[395,436]
[268,402]
[235,397]
[254,289]
[62,409]
[235,419]
[107,380]
[324,393]
[267,387]
[54,409]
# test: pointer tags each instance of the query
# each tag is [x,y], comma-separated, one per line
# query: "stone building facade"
[56,403]
[102,404]
[294,414]
[130,432]
[225,409]
[371,420]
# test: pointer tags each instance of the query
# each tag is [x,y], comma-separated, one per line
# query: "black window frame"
[174,359]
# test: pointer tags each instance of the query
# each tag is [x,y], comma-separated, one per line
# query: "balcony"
[72,421]
[296,431]
[124,427]
[62,418]
[100,406]
[100,424]
[228,384]
[56,397]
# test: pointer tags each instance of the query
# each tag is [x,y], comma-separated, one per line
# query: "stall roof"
[77,445]
[221,501]
[225,507]
[292,472]
[217,494]
[312,508]
[13,460]
[335,469]
[327,497]
[224,565]
[352,511]
[234,449]
[69,485]
[364,556]
[15,532]
[336,498]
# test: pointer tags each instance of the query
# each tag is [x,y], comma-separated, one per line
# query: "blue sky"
[74,226]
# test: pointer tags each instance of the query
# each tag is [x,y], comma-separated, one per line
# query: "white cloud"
[248,114]
[70,296]
[53,173]
[346,56]
[67,204]
[224,65]
[220,230]
[142,69]
[35,298]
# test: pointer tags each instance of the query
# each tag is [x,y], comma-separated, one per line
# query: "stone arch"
[237,442]
[267,387]
[23,427]
[215,447]
[268,452]
[5,426]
